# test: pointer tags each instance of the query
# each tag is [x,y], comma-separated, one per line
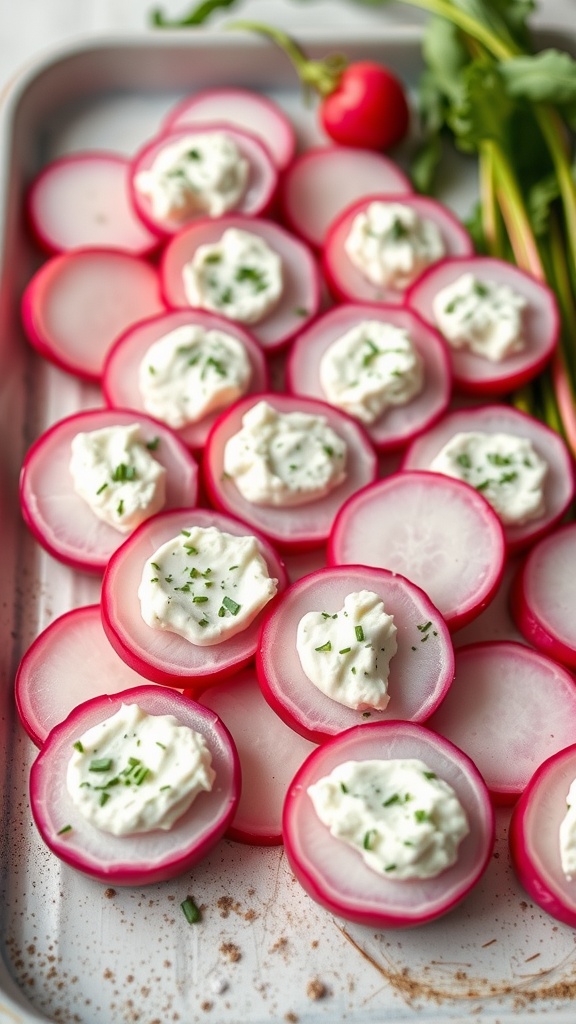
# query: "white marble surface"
[29,28]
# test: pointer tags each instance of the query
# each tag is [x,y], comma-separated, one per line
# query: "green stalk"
[494,43]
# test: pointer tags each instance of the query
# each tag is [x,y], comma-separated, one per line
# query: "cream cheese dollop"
[135,772]
[567,835]
[116,474]
[239,276]
[371,367]
[347,654]
[402,819]
[206,585]
[391,244]
[191,372]
[482,316]
[284,459]
[505,468]
[203,172]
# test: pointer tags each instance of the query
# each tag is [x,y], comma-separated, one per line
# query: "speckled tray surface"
[72,949]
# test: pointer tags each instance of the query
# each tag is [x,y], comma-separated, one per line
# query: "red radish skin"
[61,521]
[243,108]
[541,324]
[559,484]
[347,283]
[156,654]
[139,859]
[335,876]
[323,181]
[120,377]
[70,662]
[446,539]
[368,108]
[83,200]
[399,423]
[495,622]
[261,185]
[300,299]
[77,304]
[509,708]
[534,836]
[544,596]
[421,671]
[270,753]
[306,526]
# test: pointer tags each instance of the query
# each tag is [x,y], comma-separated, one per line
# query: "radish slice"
[335,875]
[509,708]
[420,672]
[347,283]
[493,419]
[120,377]
[446,539]
[157,654]
[307,525]
[534,836]
[324,180]
[270,754]
[540,321]
[67,664]
[78,303]
[544,596]
[495,622]
[300,297]
[260,187]
[147,857]
[399,423]
[83,200]
[62,522]
[250,110]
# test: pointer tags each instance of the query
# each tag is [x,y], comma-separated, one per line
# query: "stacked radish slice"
[432,549]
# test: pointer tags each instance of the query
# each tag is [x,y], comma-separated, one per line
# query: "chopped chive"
[394,799]
[104,798]
[185,532]
[123,472]
[232,567]
[155,566]
[102,488]
[430,775]
[203,623]
[78,746]
[329,451]
[120,508]
[345,650]
[421,816]
[100,764]
[200,599]
[366,714]
[191,911]
[66,828]
[424,626]
[369,839]
[161,745]
[390,867]
[325,647]
[344,787]
[232,606]
[359,633]
[153,444]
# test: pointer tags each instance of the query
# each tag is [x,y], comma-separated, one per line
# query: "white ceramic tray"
[73,950]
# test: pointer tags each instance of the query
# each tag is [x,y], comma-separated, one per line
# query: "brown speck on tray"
[109,893]
[292,1018]
[316,989]
[279,945]
[489,943]
[206,1006]
[226,905]
[231,952]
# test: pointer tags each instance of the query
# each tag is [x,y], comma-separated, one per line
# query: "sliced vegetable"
[257,195]
[144,858]
[156,654]
[291,528]
[78,303]
[300,297]
[535,836]
[83,200]
[544,596]
[540,324]
[241,107]
[436,531]
[323,181]
[269,752]
[60,519]
[121,369]
[399,423]
[420,672]
[558,490]
[334,874]
[509,708]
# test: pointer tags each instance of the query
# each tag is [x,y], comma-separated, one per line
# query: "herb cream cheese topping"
[403,820]
[391,244]
[205,585]
[284,458]
[191,372]
[136,772]
[239,276]
[200,173]
[115,473]
[347,653]
[505,468]
[482,316]
[567,836]
[371,367]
